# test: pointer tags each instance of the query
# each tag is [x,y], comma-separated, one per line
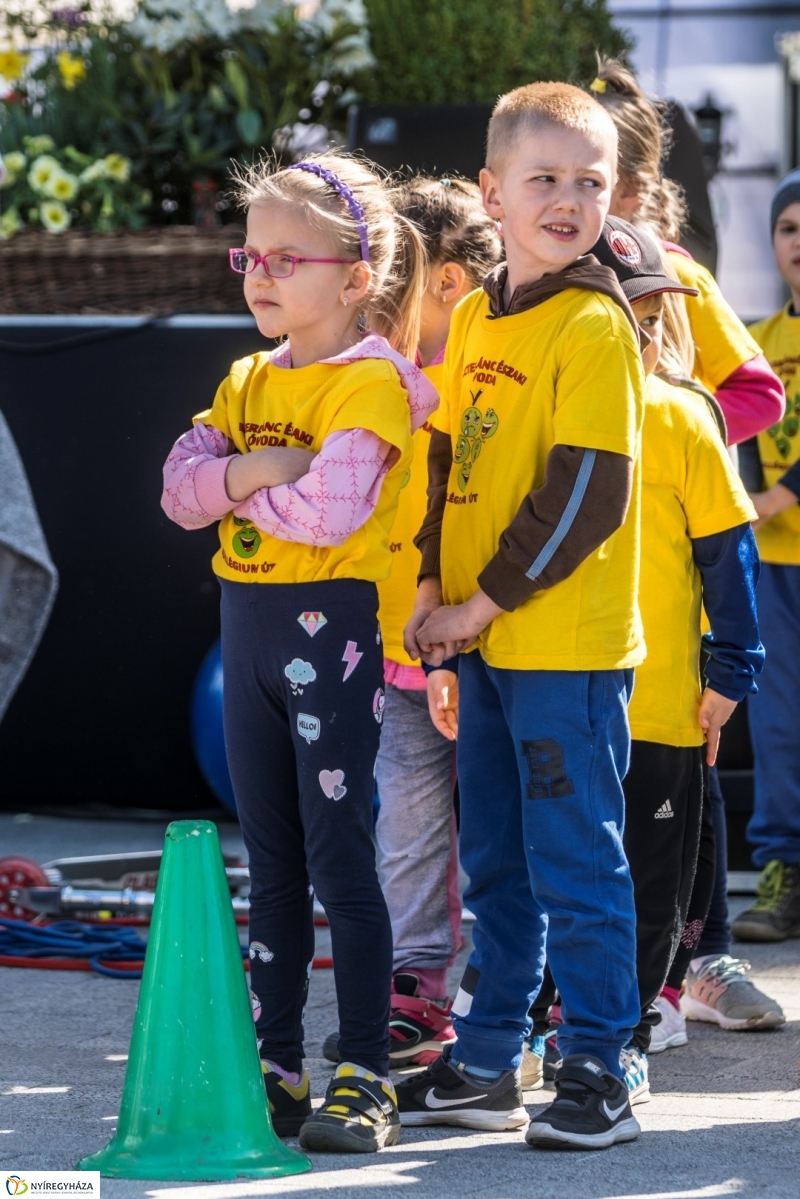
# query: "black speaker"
[436,139]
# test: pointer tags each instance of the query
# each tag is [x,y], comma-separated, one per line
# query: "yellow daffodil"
[42,144]
[42,171]
[63,186]
[10,223]
[118,167]
[54,216]
[73,70]
[12,64]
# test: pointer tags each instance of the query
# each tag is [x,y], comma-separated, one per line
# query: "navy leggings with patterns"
[303,703]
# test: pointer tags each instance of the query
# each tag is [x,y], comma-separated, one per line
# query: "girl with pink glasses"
[301,459]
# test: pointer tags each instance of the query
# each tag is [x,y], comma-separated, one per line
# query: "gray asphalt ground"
[724,1118]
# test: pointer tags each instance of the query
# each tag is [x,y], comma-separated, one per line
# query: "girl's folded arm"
[336,497]
[194,494]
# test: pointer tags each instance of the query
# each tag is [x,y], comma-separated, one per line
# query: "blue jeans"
[774,828]
[541,757]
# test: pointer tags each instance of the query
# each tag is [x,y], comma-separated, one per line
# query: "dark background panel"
[103,714]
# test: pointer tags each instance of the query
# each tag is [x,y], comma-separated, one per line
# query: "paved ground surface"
[724,1118]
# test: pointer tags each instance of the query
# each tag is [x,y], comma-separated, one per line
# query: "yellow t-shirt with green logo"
[397,593]
[260,404]
[689,490]
[567,371]
[722,344]
[779,447]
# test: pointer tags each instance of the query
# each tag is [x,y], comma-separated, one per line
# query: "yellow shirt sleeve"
[600,385]
[714,499]
[375,400]
[722,343]
[230,387]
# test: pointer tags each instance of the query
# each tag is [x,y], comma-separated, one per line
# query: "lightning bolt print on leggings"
[303,705]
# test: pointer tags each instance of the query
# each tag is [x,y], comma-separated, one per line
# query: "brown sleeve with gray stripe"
[536,533]
[543,531]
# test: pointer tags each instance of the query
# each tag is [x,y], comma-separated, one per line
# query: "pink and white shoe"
[420,1028]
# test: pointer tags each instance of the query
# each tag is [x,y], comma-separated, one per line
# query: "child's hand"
[270,467]
[428,599]
[451,629]
[443,702]
[769,503]
[715,710]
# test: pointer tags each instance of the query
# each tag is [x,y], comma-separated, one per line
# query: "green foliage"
[470,51]
[182,95]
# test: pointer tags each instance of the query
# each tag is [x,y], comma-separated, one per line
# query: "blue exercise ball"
[208,736]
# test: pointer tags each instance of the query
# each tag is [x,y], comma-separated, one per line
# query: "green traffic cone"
[194,1105]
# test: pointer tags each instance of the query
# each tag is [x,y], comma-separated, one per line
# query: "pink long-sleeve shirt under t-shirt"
[335,498]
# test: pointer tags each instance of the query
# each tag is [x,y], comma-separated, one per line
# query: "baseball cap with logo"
[635,258]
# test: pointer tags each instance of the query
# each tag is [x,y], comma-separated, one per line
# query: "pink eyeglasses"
[277,266]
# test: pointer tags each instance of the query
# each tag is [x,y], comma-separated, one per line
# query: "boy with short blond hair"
[530,553]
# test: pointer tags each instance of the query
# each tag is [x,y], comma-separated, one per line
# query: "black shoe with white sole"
[591,1109]
[444,1094]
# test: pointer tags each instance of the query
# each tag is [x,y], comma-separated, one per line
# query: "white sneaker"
[671,1032]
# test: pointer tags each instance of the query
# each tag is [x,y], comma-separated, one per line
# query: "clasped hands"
[438,631]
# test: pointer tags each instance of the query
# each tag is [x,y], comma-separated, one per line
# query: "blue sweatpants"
[541,756]
[303,705]
[774,827]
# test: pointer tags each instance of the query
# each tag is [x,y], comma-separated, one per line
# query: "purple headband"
[356,211]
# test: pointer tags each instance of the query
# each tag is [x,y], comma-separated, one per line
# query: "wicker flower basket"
[153,272]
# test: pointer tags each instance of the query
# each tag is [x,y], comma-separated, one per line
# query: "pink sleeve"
[336,497]
[194,492]
[752,399]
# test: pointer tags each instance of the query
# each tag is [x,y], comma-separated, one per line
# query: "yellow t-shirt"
[567,371]
[722,344]
[261,404]
[779,447]
[397,593]
[689,489]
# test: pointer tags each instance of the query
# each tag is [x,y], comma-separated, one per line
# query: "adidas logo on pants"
[665,811]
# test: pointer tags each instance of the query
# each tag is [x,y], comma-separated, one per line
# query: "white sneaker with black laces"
[444,1094]
[591,1110]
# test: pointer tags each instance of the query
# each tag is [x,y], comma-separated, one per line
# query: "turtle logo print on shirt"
[247,540]
[476,428]
[784,433]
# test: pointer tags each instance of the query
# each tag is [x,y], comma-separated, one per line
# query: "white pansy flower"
[95,171]
[54,216]
[62,185]
[117,167]
[42,170]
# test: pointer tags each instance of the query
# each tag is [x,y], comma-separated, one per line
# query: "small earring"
[345,301]
[444,298]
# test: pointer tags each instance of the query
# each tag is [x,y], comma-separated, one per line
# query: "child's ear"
[357,283]
[491,194]
[450,283]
